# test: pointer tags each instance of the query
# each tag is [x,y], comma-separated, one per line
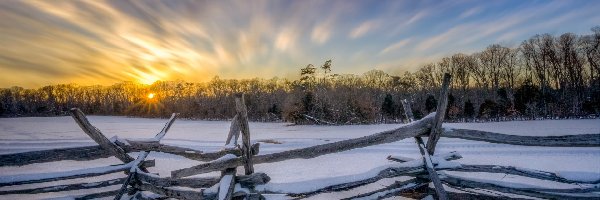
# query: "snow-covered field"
[28,134]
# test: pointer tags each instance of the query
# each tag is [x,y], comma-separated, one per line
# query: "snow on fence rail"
[429,169]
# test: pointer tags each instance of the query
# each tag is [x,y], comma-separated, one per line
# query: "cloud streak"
[395,46]
[103,42]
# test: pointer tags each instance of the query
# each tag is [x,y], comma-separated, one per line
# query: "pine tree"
[469,110]
[430,103]
[388,106]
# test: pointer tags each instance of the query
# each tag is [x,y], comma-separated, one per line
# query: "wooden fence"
[430,168]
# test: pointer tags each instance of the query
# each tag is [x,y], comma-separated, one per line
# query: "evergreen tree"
[388,107]
[469,110]
[488,109]
[430,103]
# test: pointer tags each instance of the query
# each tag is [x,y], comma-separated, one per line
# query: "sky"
[106,42]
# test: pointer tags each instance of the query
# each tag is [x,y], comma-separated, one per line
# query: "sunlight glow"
[147,79]
[106,42]
[151,96]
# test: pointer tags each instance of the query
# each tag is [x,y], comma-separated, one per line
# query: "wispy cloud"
[417,16]
[321,33]
[470,12]
[465,34]
[395,46]
[103,42]
[442,38]
[363,29]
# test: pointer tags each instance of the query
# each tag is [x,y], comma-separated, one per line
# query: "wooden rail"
[67,187]
[21,179]
[97,152]
[411,130]
[98,137]
[544,193]
[584,140]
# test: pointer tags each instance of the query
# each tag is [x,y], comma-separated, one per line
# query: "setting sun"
[151,96]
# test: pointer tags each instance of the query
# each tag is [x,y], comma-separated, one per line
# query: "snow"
[534,128]
[402,158]
[428,197]
[225,157]
[532,171]
[383,193]
[115,139]
[230,145]
[36,133]
[213,189]
[444,164]
[579,176]
[224,185]
[511,184]
[239,188]
[311,185]
[425,157]
[163,132]
[38,176]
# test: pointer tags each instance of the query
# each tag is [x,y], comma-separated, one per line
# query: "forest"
[545,77]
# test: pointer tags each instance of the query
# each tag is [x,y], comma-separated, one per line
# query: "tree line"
[546,76]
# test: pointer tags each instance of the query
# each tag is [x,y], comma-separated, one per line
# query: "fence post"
[407,110]
[227,181]
[242,114]
[433,176]
[440,113]
[434,136]
[234,131]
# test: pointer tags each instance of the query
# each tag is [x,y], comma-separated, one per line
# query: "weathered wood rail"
[437,169]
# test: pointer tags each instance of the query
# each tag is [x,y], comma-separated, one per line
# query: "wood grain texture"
[242,113]
[542,175]
[51,155]
[440,114]
[583,140]
[234,131]
[391,190]
[98,137]
[227,193]
[411,130]
[433,176]
[55,176]
[544,193]
[389,172]
[97,152]
[142,156]
[204,182]
[176,192]
[407,110]
[66,187]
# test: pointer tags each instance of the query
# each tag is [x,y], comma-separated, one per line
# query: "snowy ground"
[28,134]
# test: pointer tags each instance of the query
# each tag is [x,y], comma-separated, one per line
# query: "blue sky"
[104,42]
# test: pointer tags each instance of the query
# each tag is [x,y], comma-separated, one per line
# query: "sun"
[151,95]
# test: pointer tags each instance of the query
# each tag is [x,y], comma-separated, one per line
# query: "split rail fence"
[430,168]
